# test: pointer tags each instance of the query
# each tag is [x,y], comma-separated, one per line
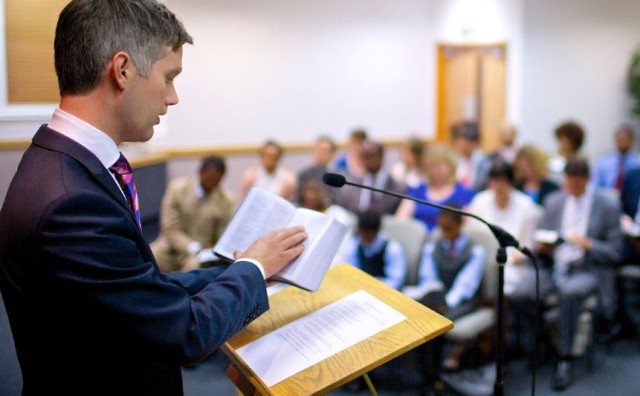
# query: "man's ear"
[122,69]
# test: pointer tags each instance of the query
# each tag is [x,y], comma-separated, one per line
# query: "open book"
[261,212]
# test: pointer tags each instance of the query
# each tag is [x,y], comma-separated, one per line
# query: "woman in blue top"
[441,187]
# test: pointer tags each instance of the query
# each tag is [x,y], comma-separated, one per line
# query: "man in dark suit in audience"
[359,200]
[630,199]
[588,221]
[90,312]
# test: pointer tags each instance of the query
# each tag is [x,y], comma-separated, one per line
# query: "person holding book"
[195,211]
[371,251]
[583,262]
[90,312]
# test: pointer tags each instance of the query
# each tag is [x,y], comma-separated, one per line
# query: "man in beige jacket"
[195,211]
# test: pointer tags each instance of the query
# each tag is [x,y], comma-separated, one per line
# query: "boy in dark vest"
[450,273]
[375,254]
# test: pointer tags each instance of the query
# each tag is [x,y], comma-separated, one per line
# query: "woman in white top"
[269,175]
[501,204]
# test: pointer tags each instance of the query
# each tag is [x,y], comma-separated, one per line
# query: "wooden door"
[472,87]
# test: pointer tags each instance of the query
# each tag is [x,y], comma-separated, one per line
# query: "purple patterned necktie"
[124,175]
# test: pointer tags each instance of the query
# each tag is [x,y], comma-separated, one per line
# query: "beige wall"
[187,165]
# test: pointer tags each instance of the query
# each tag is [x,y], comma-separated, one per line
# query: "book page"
[313,338]
[259,213]
[325,236]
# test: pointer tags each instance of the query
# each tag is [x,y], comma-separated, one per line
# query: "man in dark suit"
[90,312]
[361,200]
[630,198]
[588,220]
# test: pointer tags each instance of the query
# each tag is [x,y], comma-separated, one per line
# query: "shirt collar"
[458,243]
[585,197]
[88,136]
[199,190]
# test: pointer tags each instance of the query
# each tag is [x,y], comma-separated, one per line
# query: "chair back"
[480,234]
[412,235]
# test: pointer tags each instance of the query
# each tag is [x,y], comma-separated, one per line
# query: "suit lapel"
[52,140]
[595,217]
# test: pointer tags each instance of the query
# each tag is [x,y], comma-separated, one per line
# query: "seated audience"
[473,164]
[587,219]
[407,170]
[350,162]
[530,168]
[358,199]
[570,138]
[323,150]
[269,175]
[439,167]
[195,211]
[450,274]
[611,169]
[371,251]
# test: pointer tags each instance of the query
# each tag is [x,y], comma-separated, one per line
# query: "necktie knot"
[121,166]
[124,175]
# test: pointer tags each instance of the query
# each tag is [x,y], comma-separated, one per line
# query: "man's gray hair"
[90,32]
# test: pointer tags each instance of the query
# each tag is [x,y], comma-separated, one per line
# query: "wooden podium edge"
[249,383]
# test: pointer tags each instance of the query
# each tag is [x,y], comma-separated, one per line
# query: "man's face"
[322,153]
[464,147]
[500,186]
[270,155]
[575,185]
[371,158]
[624,141]
[449,227]
[210,178]
[147,98]
[508,135]
[313,196]
[367,236]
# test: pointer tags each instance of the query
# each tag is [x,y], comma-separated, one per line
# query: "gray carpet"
[617,372]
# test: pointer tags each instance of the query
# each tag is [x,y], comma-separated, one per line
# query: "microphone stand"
[504,240]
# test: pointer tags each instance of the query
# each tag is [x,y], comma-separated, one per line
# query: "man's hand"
[276,249]
[582,241]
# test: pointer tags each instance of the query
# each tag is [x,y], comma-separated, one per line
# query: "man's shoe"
[563,376]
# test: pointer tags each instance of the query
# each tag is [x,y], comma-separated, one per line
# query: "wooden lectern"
[287,305]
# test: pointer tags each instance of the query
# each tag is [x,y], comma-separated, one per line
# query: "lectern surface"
[289,304]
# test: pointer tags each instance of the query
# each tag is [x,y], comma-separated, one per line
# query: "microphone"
[504,238]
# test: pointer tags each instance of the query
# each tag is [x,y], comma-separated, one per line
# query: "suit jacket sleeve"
[95,253]
[606,236]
